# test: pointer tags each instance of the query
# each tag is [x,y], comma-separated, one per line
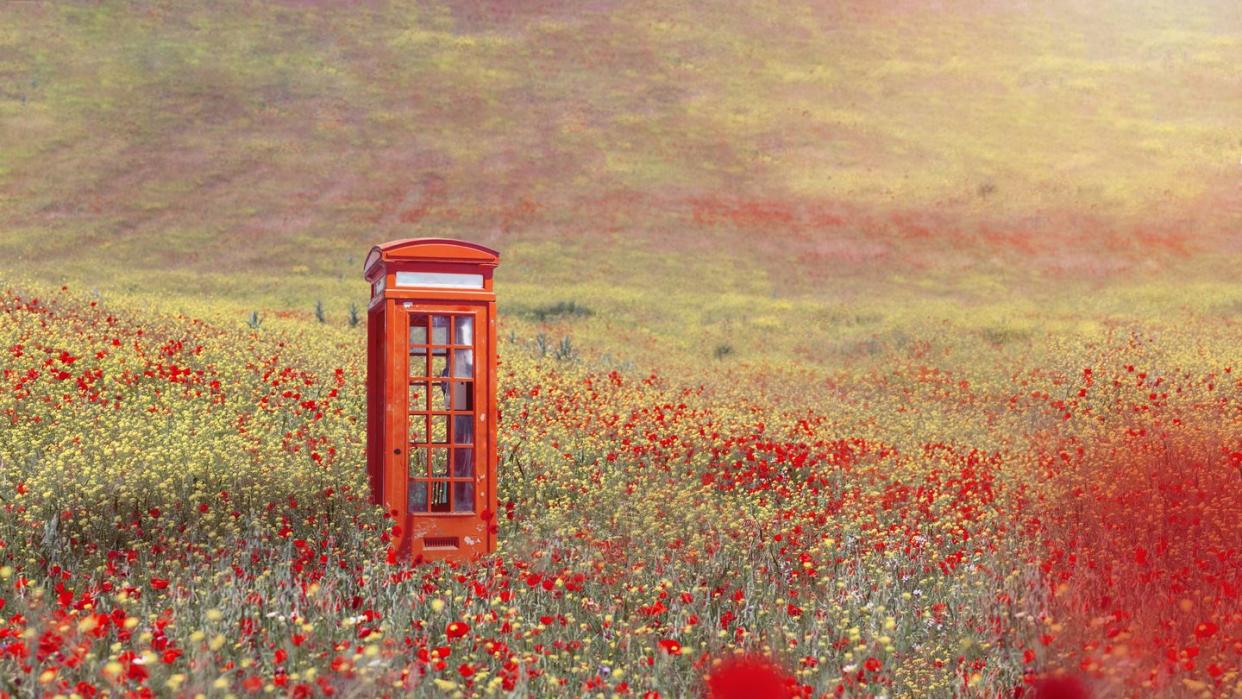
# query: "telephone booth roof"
[435,250]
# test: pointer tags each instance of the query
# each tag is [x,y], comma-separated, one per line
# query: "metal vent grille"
[440,542]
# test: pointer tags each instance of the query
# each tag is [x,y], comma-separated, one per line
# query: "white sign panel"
[440,280]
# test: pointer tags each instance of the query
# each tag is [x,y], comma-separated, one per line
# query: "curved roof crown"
[431,250]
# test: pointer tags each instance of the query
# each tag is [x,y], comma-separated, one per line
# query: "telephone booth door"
[446,480]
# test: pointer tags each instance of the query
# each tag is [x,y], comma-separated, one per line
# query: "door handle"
[397,451]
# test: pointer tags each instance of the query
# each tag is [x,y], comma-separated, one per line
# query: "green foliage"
[564,350]
[558,311]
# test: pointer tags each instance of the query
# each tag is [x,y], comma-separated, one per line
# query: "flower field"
[185,512]
[851,348]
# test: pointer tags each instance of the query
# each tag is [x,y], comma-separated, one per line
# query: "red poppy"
[457,629]
[670,646]
[159,583]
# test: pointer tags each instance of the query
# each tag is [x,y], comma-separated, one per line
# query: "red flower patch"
[750,677]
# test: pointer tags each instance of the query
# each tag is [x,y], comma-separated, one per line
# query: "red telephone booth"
[431,393]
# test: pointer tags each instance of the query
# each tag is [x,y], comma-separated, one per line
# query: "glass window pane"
[439,395]
[439,462]
[418,396]
[463,363]
[418,361]
[463,330]
[439,330]
[418,463]
[440,496]
[418,330]
[463,463]
[418,428]
[439,429]
[463,395]
[439,365]
[463,497]
[418,497]
[463,429]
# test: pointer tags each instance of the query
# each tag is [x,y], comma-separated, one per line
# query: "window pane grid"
[441,480]
[439,367]
[441,411]
[441,495]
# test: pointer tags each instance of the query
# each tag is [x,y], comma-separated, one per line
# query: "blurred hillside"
[817,179]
